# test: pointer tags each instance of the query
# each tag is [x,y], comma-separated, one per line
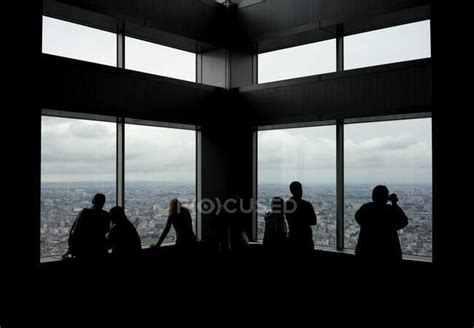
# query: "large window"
[160,164]
[307,155]
[390,45]
[75,41]
[309,59]
[160,60]
[396,154]
[77,161]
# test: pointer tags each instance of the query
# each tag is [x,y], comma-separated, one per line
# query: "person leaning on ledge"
[180,218]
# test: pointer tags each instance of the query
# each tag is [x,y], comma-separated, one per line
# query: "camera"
[393,198]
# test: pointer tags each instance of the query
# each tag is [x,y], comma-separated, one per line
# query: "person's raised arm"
[165,232]
[400,220]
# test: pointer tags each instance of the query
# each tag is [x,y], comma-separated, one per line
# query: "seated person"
[123,237]
[87,236]
[275,226]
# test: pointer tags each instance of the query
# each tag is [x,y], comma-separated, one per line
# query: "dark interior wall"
[114,23]
[225,159]
[389,90]
[191,19]
[21,143]
[21,158]
[281,16]
[272,25]
[243,69]
[212,67]
[78,15]
[82,87]
[452,233]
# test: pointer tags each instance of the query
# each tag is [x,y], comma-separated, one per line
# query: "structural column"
[226,159]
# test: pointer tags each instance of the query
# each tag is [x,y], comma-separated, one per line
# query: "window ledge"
[50,259]
[413,258]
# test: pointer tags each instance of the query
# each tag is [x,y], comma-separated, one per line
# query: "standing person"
[379,223]
[275,226]
[87,235]
[123,237]
[180,218]
[300,216]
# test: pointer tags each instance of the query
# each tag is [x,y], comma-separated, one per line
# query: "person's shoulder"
[368,205]
[104,213]
[272,216]
[84,212]
[306,203]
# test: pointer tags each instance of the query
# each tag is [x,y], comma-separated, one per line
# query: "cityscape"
[146,205]
[415,200]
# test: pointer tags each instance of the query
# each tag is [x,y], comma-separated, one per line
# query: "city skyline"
[146,206]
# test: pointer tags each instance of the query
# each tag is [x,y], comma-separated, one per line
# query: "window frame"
[340,124]
[120,152]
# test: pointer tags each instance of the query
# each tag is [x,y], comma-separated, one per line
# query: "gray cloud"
[90,130]
[395,151]
[77,149]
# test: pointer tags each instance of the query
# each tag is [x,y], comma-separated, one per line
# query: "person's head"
[380,194]
[98,201]
[174,207]
[277,204]
[296,189]
[117,214]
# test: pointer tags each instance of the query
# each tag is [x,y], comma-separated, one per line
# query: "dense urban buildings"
[147,205]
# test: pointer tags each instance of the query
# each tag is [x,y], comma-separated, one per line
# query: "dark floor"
[250,287]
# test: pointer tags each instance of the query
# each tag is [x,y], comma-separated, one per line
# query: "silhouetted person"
[300,216]
[275,226]
[123,237]
[379,223]
[229,225]
[180,218]
[87,235]
[236,219]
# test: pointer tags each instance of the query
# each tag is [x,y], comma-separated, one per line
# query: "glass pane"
[390,45]
[307,155]
[156,59]
[310,59]
[77,161]
[79,42]
[396,154]
[160,164]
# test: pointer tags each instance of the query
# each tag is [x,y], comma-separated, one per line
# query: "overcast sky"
[382,152]
[85,43]
[396,44]
[80,150]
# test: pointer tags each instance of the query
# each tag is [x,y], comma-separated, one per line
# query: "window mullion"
[340,185]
